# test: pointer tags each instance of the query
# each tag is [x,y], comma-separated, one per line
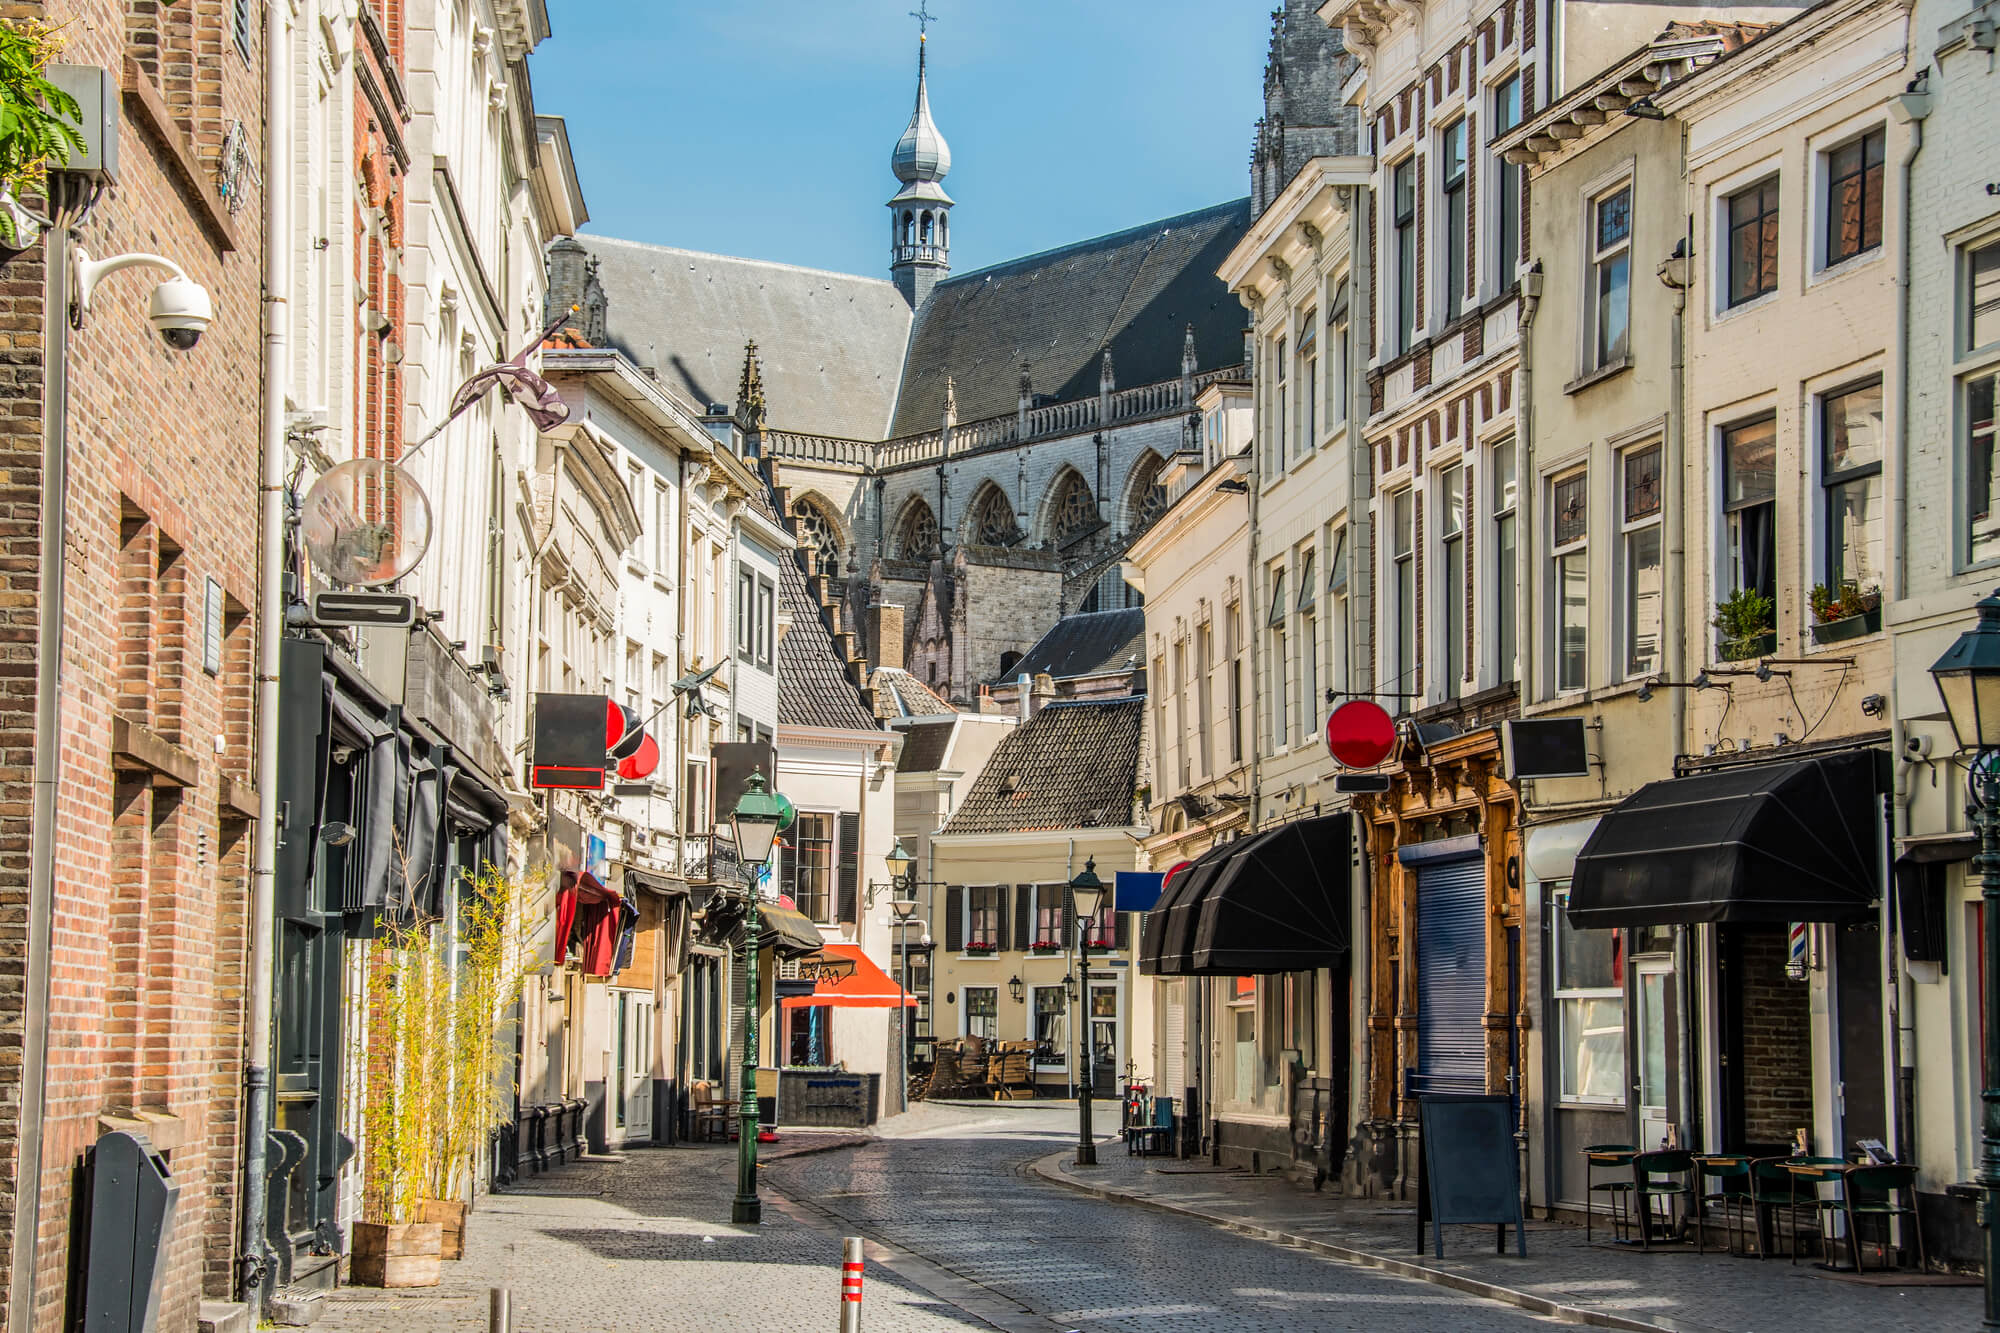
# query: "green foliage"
[1746,614]
[36,117]
[1851,599]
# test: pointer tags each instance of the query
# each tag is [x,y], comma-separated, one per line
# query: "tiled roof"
[831,344]
[1134,291]
[906,696]
[1073,765]
[813,688]
[925,745]
[1084,644]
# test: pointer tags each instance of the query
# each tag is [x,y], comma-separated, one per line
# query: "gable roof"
[925,745]
[1075,764]
[1133,291]
[831,344]
[813,688]
[1085,644]
[906,696]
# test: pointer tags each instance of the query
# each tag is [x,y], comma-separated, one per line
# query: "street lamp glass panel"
[1968,680]
[756,819]
[1087,891]
[899,861]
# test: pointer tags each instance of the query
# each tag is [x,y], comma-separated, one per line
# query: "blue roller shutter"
[1451,977]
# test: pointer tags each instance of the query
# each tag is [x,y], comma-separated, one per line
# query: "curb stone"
[1049,1168]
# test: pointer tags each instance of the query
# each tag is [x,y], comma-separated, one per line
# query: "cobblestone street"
[962,1235]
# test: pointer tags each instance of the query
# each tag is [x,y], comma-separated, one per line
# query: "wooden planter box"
[403,1254]
[449,1214]
[1848,627]
[1743,650]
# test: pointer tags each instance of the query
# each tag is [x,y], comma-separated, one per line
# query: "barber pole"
[850,1285]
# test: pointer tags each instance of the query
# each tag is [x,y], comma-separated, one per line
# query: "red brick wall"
[146,986]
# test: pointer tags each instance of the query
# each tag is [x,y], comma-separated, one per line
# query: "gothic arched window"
[819,532]
[1075,511]
[1146,497]
[917,534]
[993,519]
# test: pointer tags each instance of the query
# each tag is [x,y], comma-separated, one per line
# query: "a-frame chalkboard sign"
[1468,1170]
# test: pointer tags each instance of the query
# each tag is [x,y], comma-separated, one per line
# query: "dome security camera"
[180,312]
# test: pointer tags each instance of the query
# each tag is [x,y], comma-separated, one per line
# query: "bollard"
[850,1285]
[499,1310]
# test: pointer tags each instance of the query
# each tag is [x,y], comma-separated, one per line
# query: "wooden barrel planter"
[402,1254]
[449,1214]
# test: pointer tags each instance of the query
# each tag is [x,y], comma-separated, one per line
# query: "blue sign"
[595,859]
[1137,890]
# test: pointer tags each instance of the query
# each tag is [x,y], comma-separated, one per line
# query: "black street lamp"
[756,821]
[1087,894]
[1968,680]
[1015,989]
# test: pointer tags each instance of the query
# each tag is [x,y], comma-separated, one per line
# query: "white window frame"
[1281,400]
[1818,402]
[1306,350]
[1596,260]
[1559,557]
[1725,563]
[1447,616]
[1563,996]
[1442,247]
[965,1010]
[1405,635]
[1503,503]
[1503,268]
[1629,530]
[1307,647]
[1393,301]
[1719,195]
[1278,623]
[1970,365]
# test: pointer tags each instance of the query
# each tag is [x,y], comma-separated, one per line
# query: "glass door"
[1104,1040]
[1654,1068]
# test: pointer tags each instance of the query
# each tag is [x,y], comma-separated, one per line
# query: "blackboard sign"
[1468,1171]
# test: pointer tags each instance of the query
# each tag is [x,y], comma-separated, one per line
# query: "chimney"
[1035,694]
[885,634]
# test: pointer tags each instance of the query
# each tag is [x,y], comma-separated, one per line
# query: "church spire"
[919,230]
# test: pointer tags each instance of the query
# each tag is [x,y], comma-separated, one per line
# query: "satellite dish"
[366,522]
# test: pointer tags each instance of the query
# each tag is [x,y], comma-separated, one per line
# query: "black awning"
[1768,844]
[1275,902]
[786,931]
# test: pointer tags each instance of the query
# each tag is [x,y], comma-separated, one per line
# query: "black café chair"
[1888,1192]
[1667,1175]
[1726,1186]
[1617,1192]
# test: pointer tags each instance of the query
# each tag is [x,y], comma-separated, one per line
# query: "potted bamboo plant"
[1847,612]
[1748,625]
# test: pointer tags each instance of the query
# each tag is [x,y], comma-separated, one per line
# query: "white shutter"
[1173,1054]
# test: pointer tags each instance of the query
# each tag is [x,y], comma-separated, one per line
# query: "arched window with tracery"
[1075,513]
[1146,495]
[993,522]
[817,530]
[917,532]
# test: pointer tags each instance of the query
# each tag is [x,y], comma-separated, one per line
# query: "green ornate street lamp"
[1087,894]
[757,818]
[1968,680]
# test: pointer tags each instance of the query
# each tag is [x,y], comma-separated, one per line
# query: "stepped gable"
[1133,291]
[831,344]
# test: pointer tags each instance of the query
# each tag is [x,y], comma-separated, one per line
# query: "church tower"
[919,225]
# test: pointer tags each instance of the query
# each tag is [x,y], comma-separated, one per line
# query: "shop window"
[1050,1038]
[1851,476]
[1589,978]
[1246,1081]
[982,1012]
[1642,596]
[1569,518]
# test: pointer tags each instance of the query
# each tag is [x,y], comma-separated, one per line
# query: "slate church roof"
[831,344]
[813,688]
[1133,291]
[1075,764]
[1085,644]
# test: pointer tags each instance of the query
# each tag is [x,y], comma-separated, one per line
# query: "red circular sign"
[1360,734]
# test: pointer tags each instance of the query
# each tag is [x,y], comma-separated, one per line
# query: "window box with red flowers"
[981,948]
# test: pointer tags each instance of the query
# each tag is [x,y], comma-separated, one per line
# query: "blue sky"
[763,127]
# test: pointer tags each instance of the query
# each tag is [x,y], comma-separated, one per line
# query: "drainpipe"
[1360,633]
[1902,991]
[1253,627]
[1908,108]
[1526,484]
[253,1263]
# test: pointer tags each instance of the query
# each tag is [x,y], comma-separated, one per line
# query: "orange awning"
[866,987]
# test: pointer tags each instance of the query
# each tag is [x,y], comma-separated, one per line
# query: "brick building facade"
[143,969]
